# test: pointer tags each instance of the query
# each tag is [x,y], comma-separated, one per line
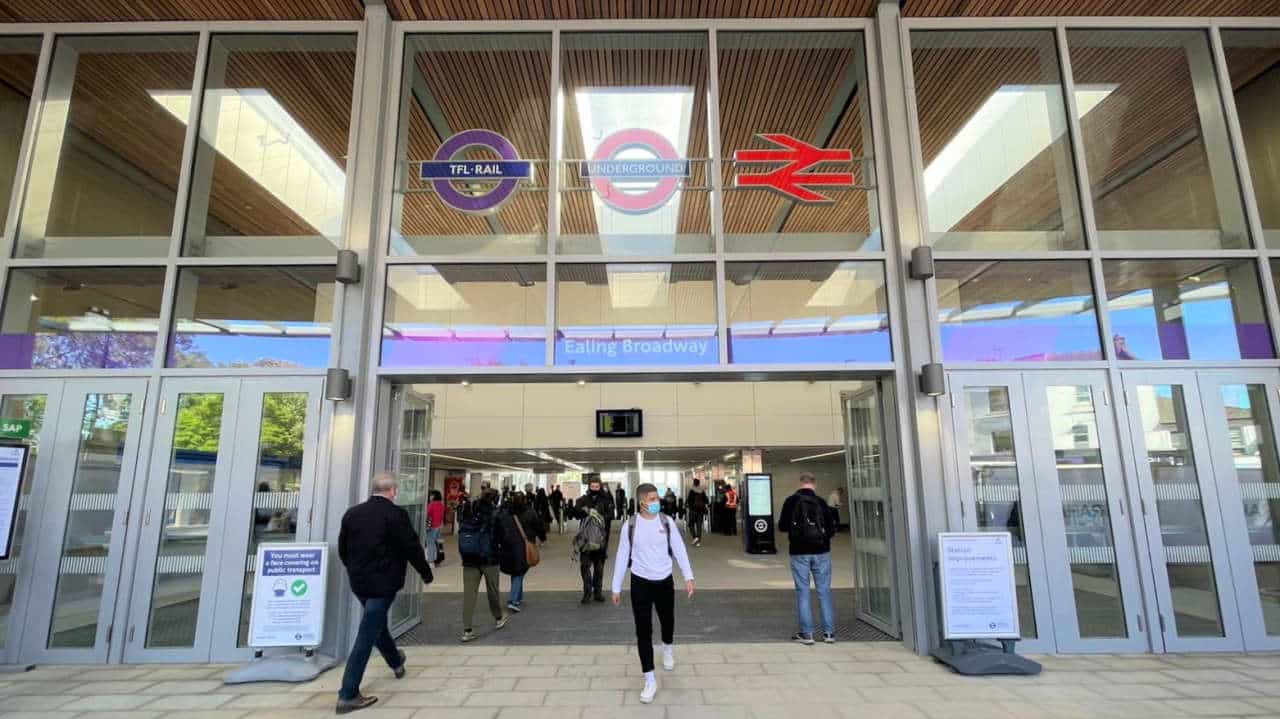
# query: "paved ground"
[862,680]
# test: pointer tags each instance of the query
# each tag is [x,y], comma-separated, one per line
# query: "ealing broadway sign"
[508,170]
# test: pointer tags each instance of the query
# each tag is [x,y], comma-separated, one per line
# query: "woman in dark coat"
[542,505]
[512,559]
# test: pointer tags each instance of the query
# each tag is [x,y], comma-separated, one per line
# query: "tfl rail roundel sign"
[663,170]
[508,170]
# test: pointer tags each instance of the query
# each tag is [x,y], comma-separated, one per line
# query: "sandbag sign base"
[975,658]
[283,668]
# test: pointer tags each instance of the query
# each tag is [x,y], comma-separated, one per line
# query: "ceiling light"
[817,456]
[35,298]
[466,383]
[582,383]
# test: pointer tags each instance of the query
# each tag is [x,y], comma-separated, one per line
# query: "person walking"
[557,505]
[435,523]
[376,543]
[518,526]
[649,543]
[669,503]
[542,506]
[696,505]
[619,501]
[479,546]
[730,510]
[594,512]
[810,524]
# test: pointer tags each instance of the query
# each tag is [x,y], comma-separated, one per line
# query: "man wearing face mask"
[592,540]
[647,546]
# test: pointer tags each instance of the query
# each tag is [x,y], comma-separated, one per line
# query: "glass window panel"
[1187,556]
[252,317]
[465,316]
[998,171]
[270,173]
[86,542]
[813,87]
[1017,311]
[277,484]
[1253,456]
[636,314]
[81,318]
[104,173]
[634,173]
[495,83]
[1253,62]
[18,58]
[993,469]
[29,407]
[1186,309]
[1086,513]
[1155,141]
[807,312]
[184,534]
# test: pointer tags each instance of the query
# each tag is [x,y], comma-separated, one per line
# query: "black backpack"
[808,521]
[475,535]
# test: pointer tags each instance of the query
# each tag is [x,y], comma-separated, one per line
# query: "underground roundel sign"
[500,176]
[659,174]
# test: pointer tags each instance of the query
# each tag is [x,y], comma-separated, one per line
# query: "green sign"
[298,587]
[14,428]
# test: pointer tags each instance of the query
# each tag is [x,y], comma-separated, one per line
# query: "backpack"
[591,535]
[631,536]
[808,521]
[475,536]
[699,501]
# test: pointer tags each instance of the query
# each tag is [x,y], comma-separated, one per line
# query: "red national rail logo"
[791,179]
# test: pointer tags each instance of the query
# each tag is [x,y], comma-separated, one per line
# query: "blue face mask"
[653,507]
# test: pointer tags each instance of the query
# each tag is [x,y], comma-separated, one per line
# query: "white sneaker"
[649,692]
[668,658]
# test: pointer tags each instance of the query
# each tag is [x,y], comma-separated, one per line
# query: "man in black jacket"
[375,544]
[592,563]
[810,524]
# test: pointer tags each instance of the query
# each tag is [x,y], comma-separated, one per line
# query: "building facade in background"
[552,199]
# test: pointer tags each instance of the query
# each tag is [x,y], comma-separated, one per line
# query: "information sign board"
[979,598]
[288,595]
[13,466]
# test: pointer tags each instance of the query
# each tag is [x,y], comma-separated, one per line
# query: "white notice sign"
[13,460]
[979,600]
[288,595]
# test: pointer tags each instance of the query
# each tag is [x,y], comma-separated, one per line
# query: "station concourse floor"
[855,680]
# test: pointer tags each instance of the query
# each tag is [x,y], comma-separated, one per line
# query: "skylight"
[259,136]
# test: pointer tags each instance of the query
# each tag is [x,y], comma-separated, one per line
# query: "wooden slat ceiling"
[1095,8]
[200,10]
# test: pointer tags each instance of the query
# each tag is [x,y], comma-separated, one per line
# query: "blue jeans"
[516,597]
[819,567]
[432,544]
[373,632]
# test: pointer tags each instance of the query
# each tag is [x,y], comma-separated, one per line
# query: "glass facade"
[704,199]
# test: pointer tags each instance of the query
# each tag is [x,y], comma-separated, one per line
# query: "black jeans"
[695,523]
[592,568]
[373,632]
[646,596]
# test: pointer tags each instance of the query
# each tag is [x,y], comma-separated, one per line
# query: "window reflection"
[1253,62]
[252,317]
[635,142]
[993,134]
[1017,311]
[465,316]
[81,318]
[1155,140]
[18,57]
[455,82]
[759,92]
[1186,309]
[807,312]
[642,314]
[104,170]
[270,171]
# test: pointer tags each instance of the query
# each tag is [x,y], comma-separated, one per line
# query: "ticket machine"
[757,514]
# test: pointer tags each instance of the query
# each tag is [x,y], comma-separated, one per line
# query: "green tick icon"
[298,587]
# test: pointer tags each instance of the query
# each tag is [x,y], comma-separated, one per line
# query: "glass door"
[37,402]
[1088,545]
[870,510]
[1180,511]
[997,487]
[1240,408]
[408,455]
[232,466]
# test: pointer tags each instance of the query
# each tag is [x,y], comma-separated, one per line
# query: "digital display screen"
[619,423]
[759,495]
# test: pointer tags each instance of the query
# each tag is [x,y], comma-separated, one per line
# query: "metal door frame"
[394,425]
[1147,511]
[1066,627]
[1230,497]
[12,652]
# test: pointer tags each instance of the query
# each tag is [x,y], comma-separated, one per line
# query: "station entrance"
[833,431]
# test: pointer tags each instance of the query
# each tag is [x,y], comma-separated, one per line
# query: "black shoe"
[801,637]
[599,597]
[399,671]
[586,598]
[346,706]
